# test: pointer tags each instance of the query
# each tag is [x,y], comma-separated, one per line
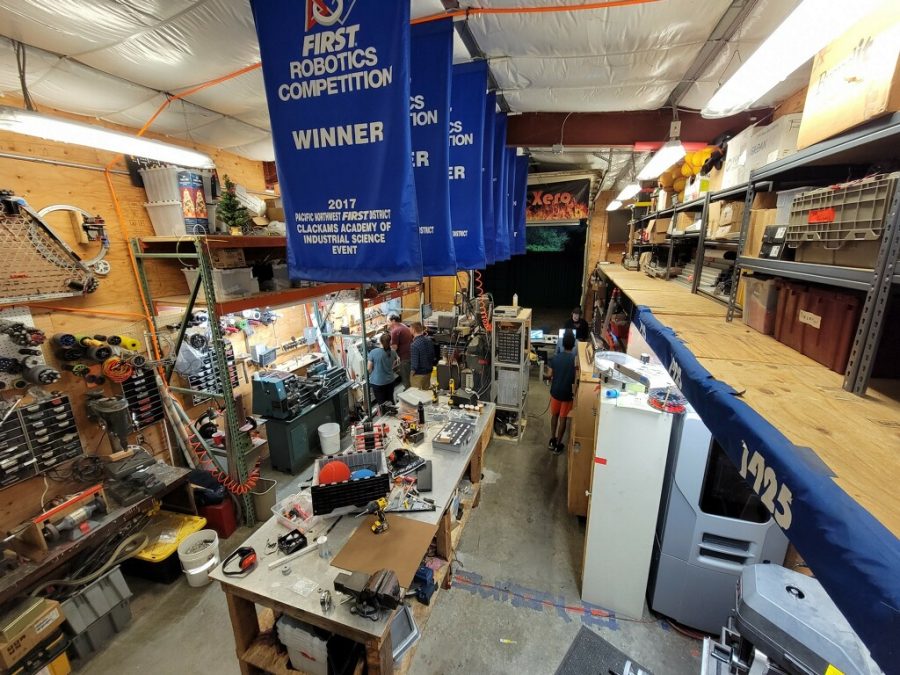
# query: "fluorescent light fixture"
[64,131]
[809,28]
[614,205]
[629,191]
[665,157]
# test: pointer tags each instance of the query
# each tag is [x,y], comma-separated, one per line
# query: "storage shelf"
[716,243]
[212,241]
[274,299]
[712,295]
[728,193]
[873,142]
[845,277]
[693,205]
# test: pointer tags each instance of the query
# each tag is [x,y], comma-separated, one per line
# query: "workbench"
[271,590]
[176,495]
[823,460]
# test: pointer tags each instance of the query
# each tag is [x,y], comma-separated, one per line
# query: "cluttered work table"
[294,587]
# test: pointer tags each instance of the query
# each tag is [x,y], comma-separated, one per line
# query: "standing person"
[562,371]
[401,339]
[381,370]
[578,325]
[422,357]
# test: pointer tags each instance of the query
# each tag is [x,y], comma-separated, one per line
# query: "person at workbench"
[421,357]
[381,370]
[578,325]
[401,339]
[561,373]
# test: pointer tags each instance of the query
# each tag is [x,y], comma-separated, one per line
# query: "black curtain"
[546,280]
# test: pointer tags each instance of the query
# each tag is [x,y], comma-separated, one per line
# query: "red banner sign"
[560,202]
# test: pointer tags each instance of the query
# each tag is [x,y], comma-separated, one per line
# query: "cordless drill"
[377,506]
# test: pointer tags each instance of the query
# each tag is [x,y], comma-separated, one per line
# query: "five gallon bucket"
[264,498]
[330,438]
[199,554]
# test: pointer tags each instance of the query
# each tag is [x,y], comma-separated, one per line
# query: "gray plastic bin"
[101,631]
[96,600]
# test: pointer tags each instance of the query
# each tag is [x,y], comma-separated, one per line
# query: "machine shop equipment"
[372,594]
[114,417]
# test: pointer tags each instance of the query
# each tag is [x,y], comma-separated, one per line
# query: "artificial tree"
[231,212]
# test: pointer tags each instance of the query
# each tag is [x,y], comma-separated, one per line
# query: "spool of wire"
[667,399]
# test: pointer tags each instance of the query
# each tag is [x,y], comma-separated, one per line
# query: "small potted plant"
[231,212]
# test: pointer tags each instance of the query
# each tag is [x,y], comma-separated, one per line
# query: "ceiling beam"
[619,128]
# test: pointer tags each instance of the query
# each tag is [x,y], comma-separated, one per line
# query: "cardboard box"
[736,168]
[854,79]
[696,187]
[731,215]
[759,220]
[760,304]
[275,209]
[715,180]
[713,217]
[773,142]
[44,620]
[228,258]
[684,220]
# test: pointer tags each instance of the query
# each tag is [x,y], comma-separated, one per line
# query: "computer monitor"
[446,321]
[536,334]
[426,311]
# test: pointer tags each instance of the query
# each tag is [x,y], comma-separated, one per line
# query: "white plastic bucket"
[198,561]
[330,438]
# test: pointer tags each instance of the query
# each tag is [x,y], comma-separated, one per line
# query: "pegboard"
[10,350]
[36,264]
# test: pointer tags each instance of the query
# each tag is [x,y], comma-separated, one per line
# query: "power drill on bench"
[377,506]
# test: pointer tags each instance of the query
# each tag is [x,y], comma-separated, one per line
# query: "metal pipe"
[58,162]
[365,347]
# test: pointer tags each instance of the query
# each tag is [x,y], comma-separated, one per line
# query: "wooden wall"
[440,291]
[43,184]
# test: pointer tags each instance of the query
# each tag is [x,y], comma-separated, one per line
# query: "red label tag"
[821,216]
[600,460]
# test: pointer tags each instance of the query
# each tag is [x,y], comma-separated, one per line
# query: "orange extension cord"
[479,286]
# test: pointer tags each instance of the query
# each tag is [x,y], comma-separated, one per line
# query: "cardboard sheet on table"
[401,548]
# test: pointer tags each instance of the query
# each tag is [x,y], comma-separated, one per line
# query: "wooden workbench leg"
[379,656]
[245,626]
[475,466]
[443,544]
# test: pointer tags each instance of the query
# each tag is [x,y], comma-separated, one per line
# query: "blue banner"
[488,171]
[467,101]
[510,190]
[337,84]
[501,232]
[521,188]
[852,554]
[429,113]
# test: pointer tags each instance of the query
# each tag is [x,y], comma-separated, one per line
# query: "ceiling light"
[64,131]
[629,191]
[809,28]
[665,157]
[613,205]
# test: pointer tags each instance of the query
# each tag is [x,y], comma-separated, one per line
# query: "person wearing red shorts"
[562,373]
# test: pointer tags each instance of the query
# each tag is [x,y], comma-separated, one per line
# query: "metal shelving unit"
[197,250]
[826,162]
[509,364]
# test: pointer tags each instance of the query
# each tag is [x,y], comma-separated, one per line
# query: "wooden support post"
[379,656]
[245,626]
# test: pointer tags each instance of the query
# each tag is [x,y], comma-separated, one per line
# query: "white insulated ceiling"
[112,59]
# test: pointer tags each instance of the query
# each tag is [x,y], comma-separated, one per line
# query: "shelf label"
[810,319]
[337,84]
[821,216]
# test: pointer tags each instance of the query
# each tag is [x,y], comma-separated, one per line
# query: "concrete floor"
[514,606]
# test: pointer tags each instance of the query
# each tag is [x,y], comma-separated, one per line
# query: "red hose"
[479,285]
[224,479]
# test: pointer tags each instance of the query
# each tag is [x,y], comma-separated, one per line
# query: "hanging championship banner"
[519,196]
[467,101]
[429,110]
[561,201]
[489,191]
[510,192]
[501,230]
[337,83]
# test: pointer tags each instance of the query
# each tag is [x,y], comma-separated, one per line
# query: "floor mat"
[590,654]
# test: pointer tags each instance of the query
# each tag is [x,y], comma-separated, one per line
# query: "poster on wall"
[562,201]
[467,105]
[337,84]
[429,110]
[193,203]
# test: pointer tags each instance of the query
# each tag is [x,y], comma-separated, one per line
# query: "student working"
[561,373]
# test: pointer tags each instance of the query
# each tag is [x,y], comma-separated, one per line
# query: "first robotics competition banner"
[468,93]
[337,84]
[429,111]
[520,195]
[511,199]
[489,194]
[501,231]
[853,555]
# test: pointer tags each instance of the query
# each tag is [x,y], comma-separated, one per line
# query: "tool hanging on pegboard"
[92,229]
[21,359]
[37,264]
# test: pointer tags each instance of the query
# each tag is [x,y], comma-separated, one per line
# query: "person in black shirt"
[578,325]
[562,373]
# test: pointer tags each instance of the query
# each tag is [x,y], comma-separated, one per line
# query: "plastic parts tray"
[101,631]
